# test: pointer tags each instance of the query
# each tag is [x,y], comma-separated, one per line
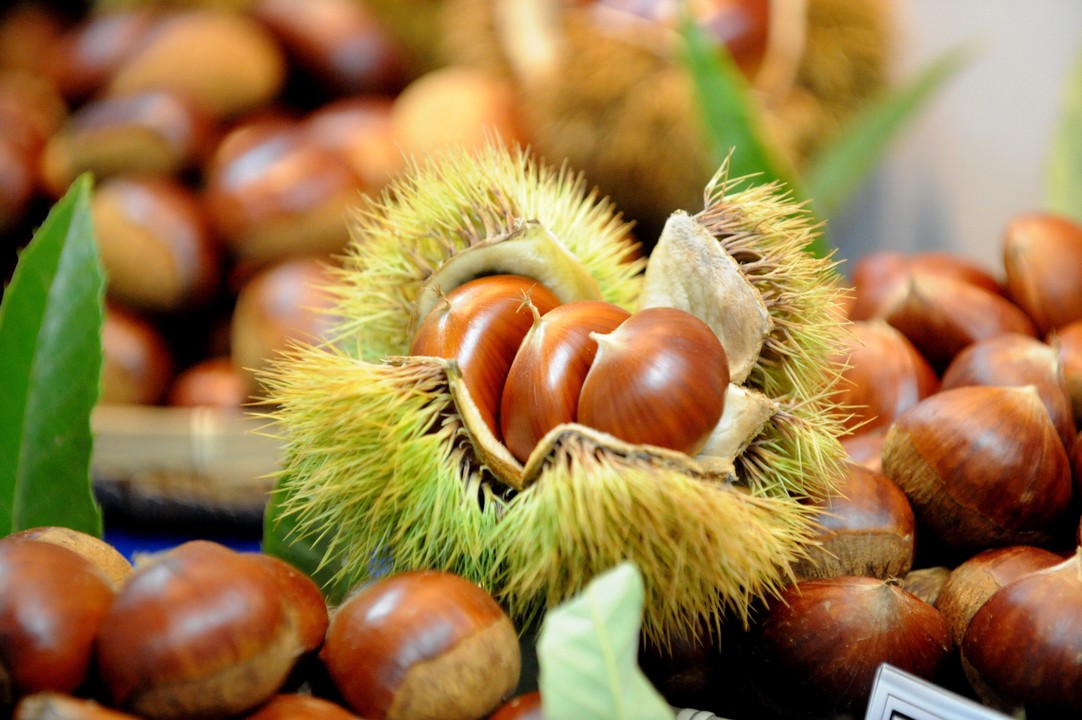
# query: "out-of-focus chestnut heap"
[204,631]
[952,548]
[229,143]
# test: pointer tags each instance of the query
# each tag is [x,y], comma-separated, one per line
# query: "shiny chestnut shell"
[480,325]
[52,601]
[660,379]
[981,465]
[547,374]
[816,651]
[866,527]
[1021,649]
[198,631]
[1042,257]
[423,645]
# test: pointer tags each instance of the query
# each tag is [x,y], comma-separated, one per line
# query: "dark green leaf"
[1065,160]
[844,163]
[50,371]
[588,654]
[729,114]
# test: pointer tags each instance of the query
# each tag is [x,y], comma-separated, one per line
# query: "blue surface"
[132,542]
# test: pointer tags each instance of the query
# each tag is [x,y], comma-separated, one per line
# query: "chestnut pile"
[656,376]
[951,549]
[229,143]
[204,631]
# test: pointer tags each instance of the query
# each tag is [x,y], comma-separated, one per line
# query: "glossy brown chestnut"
[52,601]
[866,448]
[972,582]
[198,631]
[423,645]
[87,55]
[878,275]
[816,651]
[156,131]
[1017,360]
[943,315]
[1042,257]
[225,60]
[866,528]
[109,561]
[659,379]
[137,362]
[157,247]
[358,128]
[480,325]
[884,376]
[1021,649]
[473,106]
[340,43]
[303,596]
[282,302]
[1068,343]
[272,194]
[213,382]
[981,465]
[546,376]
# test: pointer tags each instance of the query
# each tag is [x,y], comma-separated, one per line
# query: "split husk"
[387,469]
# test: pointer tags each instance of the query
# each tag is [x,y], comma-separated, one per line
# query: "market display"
[507,324]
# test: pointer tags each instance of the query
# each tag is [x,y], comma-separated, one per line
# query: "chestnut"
[1067,340]
[107,559]
[1042,257]
[282,302]
[927,583]
[867,528]
[659,378]
[137,362]
[943,315]
[52,602]
[877,276]
[303,595]
[87,55]
[816,650]
[272,193]
[358,128]
[866,448]
[981,465]
[156,244]
[1021,649]
[481,324]
[1017,360]
[472,105]
[156,131]
[546,376]
[883,375]
[225,60]
[198,631]
[423,645]
[976,579]
[340,43]
[211,382]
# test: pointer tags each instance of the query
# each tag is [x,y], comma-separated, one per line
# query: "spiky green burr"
[384,467]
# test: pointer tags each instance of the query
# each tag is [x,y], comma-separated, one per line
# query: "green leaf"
[844,163]
[1065,160]
[50,371]
[588,654]
[729,116]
